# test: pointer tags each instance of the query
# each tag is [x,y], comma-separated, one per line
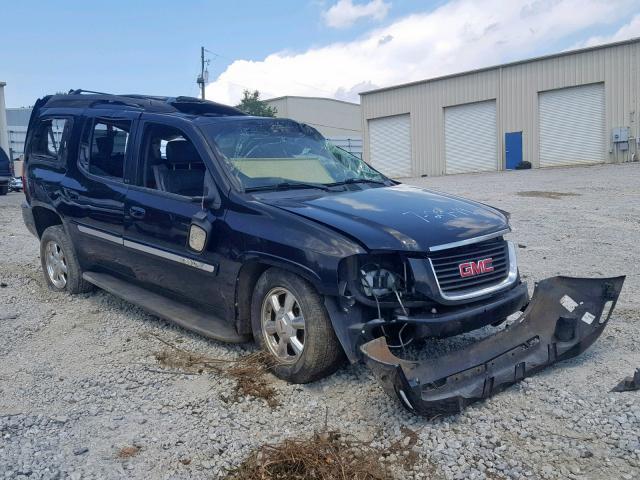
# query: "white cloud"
[345,13]
[457,36]
[628,30]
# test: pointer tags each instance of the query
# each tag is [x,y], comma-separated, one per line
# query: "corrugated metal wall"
[515,88]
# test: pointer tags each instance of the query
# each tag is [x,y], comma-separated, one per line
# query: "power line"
[331,126]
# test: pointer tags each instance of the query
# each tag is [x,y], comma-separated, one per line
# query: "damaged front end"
[565,316]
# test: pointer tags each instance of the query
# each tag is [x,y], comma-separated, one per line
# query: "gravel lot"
[79,380]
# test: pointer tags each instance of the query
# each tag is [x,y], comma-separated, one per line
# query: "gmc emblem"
[470,269]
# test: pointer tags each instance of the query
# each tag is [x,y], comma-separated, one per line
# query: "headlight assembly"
[378,282]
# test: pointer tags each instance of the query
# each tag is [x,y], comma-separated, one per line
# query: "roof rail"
[79,91]
[150,103]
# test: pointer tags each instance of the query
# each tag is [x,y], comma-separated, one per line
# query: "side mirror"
[199,232]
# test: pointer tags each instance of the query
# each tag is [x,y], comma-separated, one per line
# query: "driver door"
[160,209]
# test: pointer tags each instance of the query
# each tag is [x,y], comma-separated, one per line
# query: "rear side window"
[104,147]
[50,139]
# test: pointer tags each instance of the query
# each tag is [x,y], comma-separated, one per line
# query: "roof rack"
[150,103]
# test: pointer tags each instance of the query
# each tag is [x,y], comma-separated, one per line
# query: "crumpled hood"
[401,217]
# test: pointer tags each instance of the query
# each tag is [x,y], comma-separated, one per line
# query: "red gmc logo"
[470,269]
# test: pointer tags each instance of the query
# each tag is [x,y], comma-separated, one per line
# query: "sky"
[324,48]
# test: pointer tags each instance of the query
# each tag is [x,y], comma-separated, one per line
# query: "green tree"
[252,105]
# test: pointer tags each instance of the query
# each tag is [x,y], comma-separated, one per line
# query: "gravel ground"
[79,381]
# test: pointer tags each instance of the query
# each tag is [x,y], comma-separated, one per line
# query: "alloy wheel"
[56,264]
[283,325]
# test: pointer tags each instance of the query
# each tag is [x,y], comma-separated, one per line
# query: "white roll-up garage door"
[572,126]
[390,145]
[471,137]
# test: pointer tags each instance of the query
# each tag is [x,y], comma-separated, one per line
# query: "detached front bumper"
[565,316]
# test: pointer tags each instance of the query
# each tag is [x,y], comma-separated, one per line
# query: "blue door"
[513,149]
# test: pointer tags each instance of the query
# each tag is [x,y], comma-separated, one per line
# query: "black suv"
[6,172]
[241,227]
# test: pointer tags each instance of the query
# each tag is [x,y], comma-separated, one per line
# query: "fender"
[284,263]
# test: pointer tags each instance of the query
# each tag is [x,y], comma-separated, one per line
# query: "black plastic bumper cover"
[565,316]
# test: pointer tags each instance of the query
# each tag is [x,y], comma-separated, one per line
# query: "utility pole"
[203,78]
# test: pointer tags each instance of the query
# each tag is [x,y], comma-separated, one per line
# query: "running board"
[186,316]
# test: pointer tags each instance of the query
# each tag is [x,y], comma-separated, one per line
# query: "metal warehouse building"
[576,107]
[337,120]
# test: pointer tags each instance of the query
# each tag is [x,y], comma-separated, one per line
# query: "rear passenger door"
[97,190]
[159,208]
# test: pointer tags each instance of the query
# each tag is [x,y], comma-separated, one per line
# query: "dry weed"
[328,456]
[250,372]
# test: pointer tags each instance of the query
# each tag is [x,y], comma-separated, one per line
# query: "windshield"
[268,152]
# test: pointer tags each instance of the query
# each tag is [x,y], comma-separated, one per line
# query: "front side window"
[170,162]
[104,147]
[269,152]
[50,139]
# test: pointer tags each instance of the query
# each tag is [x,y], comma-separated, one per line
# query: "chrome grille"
[446,266]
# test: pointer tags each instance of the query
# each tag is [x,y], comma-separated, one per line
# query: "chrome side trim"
[169,256]
[100,234]
[146,249]
[469,241]
[509,280]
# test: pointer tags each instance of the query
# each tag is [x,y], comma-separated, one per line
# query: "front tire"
[60,263]
[290,323]
[4,190]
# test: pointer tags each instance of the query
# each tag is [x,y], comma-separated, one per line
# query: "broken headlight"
[378,282]
[383,277]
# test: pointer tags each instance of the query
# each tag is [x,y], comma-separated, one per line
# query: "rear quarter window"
[49,143]
[103,147]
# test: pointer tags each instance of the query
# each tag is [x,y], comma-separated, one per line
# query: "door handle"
[137,212]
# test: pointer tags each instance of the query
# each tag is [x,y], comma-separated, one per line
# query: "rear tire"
[4,190]
[286,309]
[60,263]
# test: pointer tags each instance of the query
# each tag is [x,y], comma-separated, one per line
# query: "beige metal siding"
[332,118]
[515,88]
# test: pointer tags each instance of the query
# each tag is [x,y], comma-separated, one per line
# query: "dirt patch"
[128,452]
[328,456]
[249,372]
[544,194]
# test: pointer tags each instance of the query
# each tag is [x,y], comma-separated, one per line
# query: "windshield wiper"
[349,181]
[285,186]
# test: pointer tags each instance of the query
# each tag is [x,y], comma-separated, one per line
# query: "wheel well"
[45,218]
[247,279]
